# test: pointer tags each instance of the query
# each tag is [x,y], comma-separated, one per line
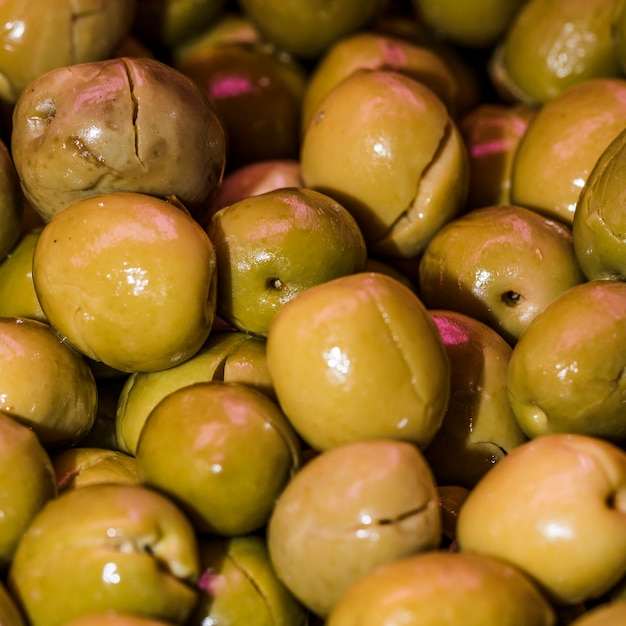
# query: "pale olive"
[123,124]
[347,511]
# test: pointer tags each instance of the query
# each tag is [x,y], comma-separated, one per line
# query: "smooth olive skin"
[115,619]
[565,373]
[10,614]
[444,589]
[492,133]
[170,23]
[562,144]
[128,279]
[223,451]
[273,246]
[551,46]
[479,427]
[347,511]
[605,614]
[500,264]
[238,585]
[17,290]
[28,482]
[11,202]
[370,50]
[43,35]
[307,28]
[83,466]
[554,508]
[599,224]
[218,359]
[123,124]
[472,23]
[369,363]
[61,408]
[257,95]
[119,548]
[384,146]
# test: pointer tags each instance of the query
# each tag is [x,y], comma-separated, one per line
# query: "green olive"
[28,482]
[444,589]
[306,28]
[115,618]
[551,46]
[104,548]
[349,510]
[500,264]
[273,246]
[566,371]
[604,614]
[11,202]
[10,615]
[562,143]
[479,427]
[123,124]
[223,451]
[238,585]
[599,225]
[44,35]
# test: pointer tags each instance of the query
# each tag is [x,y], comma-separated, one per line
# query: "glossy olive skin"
[402,168]
[369,363]
[551,46]
[120,548]
[257,95]
[28,482]
[562,144]
[225,355]
[539,507]
[444,589]
[238,585]
[123,124]
[500,264]
[370,50]
[307,28]
[140,272]
[565,373]
[82,466]
[598,219]
[472,23]
[492,133]
[17,291]
[10,614]
[273,246]
[43,35]
[170,23]
[349,510]
[61,408]
[224,451]
[479,427]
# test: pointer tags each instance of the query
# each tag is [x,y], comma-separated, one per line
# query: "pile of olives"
[312,312]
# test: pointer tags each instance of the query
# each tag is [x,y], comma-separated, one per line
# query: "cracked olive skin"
[61,407]
[43,35]
[223,451]
[28,482]
[479,427]
[599,222]
[566,372]
[128,279]
[226,355]
[551,46]
[273,246]
[238,585]
[103,548]
[369,363]
[384,146]
[500,264]
[444,589]
[347,511]
[123,124]
[562,144]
